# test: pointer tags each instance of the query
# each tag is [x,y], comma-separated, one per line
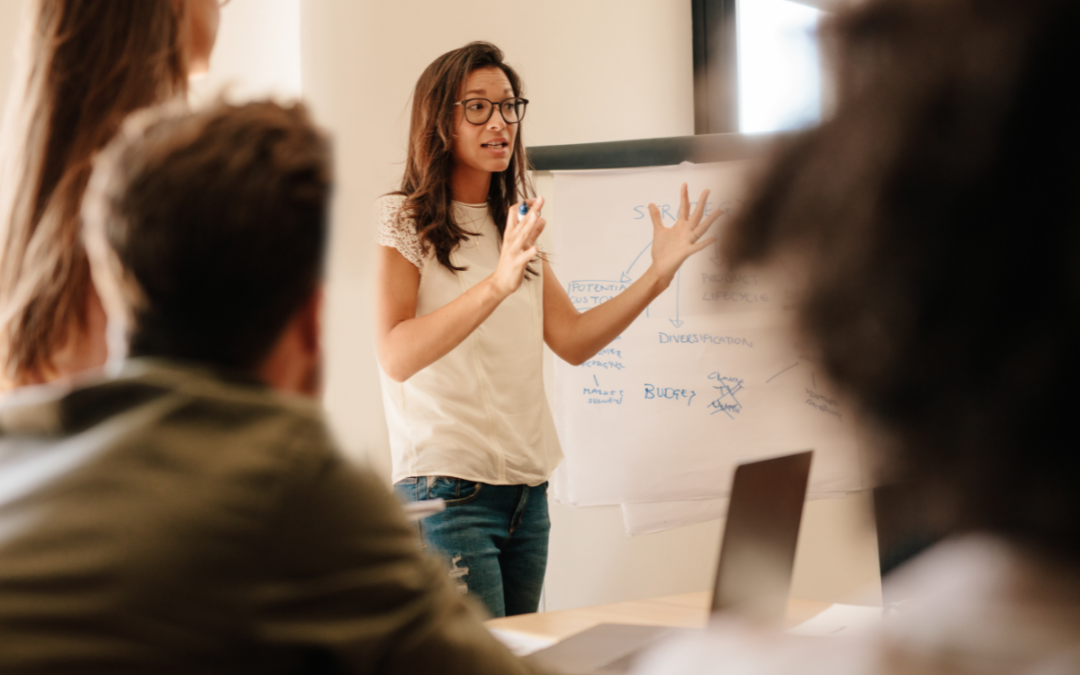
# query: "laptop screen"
[757,555]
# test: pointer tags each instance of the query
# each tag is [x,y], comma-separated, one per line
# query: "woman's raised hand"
[518,247]
[673,245]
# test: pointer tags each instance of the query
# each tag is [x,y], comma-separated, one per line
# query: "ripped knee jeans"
[494,538]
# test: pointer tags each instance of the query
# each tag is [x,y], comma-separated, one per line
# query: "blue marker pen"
[523,210]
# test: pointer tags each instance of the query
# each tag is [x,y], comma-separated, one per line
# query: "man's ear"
[311,321]
[313,342]
[294,363]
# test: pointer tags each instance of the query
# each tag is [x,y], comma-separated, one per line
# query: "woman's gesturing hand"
[673,245]
[518,247]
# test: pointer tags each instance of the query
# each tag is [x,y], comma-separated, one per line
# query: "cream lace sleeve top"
[479,413]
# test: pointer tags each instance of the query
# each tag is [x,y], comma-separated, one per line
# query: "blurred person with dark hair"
[933,226]
[85,65]
[190,513]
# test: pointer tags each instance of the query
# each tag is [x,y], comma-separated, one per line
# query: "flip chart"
[709,375]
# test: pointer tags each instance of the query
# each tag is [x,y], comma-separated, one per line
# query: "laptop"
[753,575]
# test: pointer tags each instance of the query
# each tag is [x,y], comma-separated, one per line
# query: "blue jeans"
[493,537]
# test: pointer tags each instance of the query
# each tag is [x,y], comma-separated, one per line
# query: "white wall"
[595,70]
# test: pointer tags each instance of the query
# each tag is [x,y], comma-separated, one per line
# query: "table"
[690,610]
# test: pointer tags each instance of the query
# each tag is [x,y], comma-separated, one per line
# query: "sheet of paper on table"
[837,621]
[840,621]
[520,643]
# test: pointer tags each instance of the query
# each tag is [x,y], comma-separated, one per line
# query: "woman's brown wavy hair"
[426,184]
[86,64]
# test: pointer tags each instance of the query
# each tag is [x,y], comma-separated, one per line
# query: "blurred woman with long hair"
[85,65]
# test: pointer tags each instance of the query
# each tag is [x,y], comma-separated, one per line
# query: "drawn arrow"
[782,372]
[596,380]
[626,275]
[677,322]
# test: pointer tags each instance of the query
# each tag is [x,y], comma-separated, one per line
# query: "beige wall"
[595,70]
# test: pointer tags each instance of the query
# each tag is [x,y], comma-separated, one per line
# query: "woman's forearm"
[414,344]
[406,343]
[577,337]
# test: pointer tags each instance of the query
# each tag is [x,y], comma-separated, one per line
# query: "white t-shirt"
[479,413]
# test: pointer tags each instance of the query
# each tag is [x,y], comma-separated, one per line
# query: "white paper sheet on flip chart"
[708,376]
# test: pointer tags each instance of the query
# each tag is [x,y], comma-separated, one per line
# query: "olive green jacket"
[173,519]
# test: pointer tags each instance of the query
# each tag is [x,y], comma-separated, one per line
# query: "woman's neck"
[469,185]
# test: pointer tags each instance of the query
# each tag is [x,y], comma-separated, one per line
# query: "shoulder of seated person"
[200,393]
[235,395]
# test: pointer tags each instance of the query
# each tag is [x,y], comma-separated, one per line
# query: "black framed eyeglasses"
[479,110]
